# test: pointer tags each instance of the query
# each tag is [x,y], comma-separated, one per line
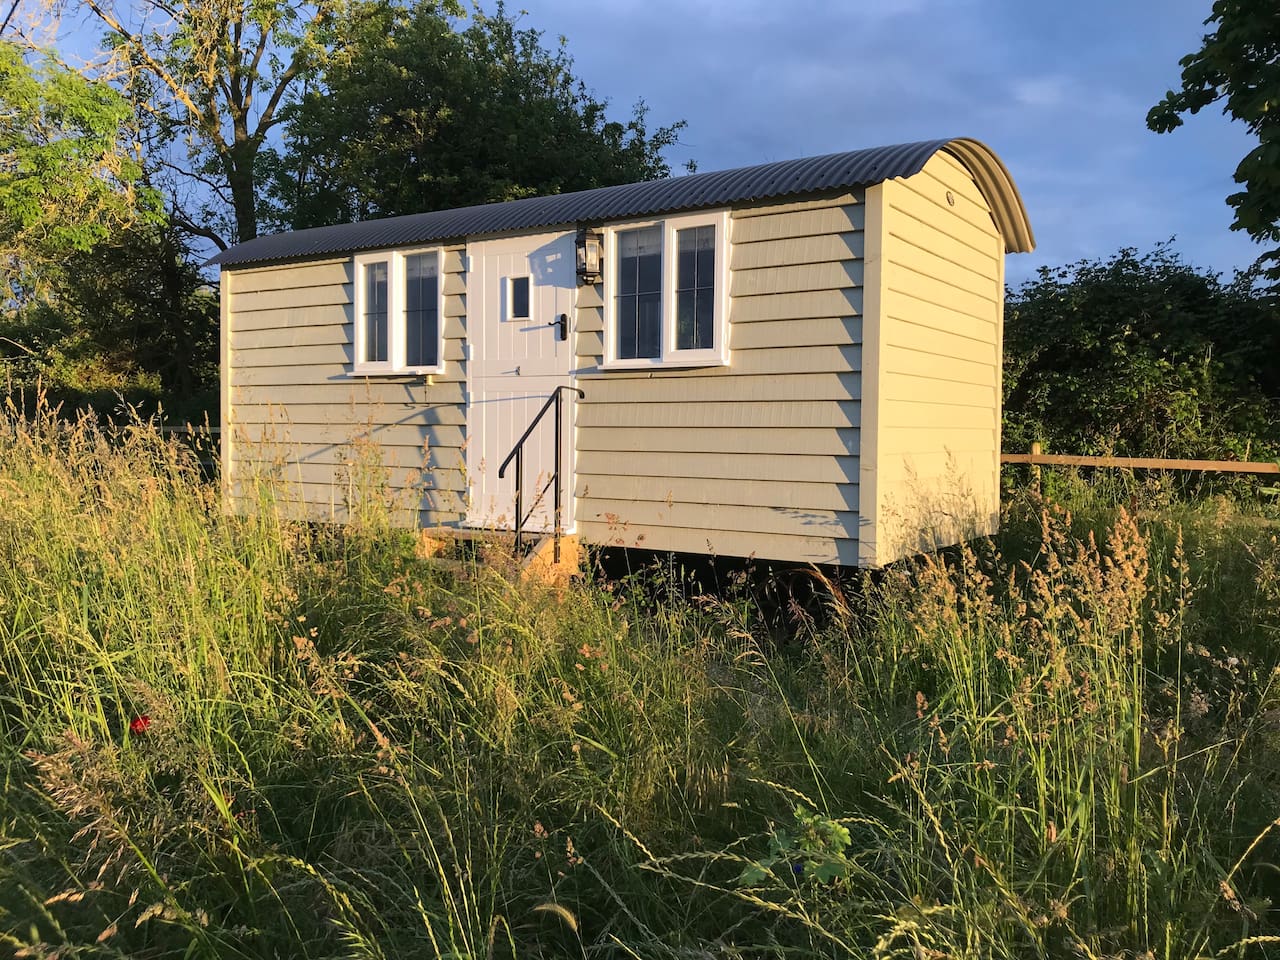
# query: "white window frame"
[511,297]
[717,355]
[396,276]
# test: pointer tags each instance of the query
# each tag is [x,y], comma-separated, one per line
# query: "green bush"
[1142,355]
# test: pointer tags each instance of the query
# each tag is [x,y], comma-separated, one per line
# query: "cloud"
[1059,91]
[1048,91]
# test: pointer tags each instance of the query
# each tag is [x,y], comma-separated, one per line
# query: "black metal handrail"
[517,454]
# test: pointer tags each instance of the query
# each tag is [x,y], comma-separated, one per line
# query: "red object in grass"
[139,725]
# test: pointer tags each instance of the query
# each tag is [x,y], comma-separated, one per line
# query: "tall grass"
[241,736]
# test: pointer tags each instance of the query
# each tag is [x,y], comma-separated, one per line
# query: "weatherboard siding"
[759,458]
[295,414]
[937,329]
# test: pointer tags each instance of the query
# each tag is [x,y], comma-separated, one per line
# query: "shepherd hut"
[797,361]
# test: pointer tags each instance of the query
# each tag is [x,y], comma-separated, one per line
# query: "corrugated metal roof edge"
[770,181]
[997,185]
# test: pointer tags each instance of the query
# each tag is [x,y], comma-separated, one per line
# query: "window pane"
[649,273]
[686,325]
[627,349]
[626,276]
[638,303]
[649,325]
[705,327]
[375,312]
[706,246]
[421,310]
[520,297]
[686,261]
[643,242]
[696,288]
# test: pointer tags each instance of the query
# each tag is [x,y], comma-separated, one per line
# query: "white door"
[517,289]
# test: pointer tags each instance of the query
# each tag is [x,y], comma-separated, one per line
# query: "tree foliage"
[211,78]
[67,177]
[415,112]
[132,319]
[1142,355]
[392,106]
[1239,67]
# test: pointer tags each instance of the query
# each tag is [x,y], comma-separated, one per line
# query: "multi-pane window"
[421,310]
[374,312]
[397,312]
[638,312]
[666,292]
[696,288]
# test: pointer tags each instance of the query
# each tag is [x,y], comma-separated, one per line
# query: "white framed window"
[399,302]
[666,292]
[518,298]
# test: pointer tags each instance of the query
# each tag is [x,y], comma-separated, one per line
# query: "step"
[538,563]
[435,541]
[465,533]
[459,568]
[541,563]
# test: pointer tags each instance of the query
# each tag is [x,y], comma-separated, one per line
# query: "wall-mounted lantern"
[590,247]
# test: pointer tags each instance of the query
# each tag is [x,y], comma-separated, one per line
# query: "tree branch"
[157,69]
[161,5]
[257,59]
[185,223]
[267,120]
[9,16]
[217,187]
[232,88]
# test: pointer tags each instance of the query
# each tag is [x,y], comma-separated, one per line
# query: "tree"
[1239,66]
[68,179]
[1142,355]
[130,319]
[211,76]
[102,298]
[413,114]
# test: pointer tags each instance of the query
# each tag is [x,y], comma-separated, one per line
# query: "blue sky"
[1059,90]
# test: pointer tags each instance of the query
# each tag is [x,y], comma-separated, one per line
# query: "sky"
[1059,90]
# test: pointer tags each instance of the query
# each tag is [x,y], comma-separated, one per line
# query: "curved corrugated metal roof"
[767,181]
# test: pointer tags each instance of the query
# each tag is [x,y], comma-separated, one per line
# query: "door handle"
[561,323]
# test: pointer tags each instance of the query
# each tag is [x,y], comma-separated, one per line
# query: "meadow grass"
[241,736]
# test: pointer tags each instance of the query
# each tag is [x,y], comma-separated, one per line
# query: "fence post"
[1035,467]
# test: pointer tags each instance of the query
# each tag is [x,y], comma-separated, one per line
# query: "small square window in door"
[519,298]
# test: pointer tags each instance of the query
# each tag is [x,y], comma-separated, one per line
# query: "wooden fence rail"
[1036,458]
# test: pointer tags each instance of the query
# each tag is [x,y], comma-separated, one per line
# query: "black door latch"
[561,323]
